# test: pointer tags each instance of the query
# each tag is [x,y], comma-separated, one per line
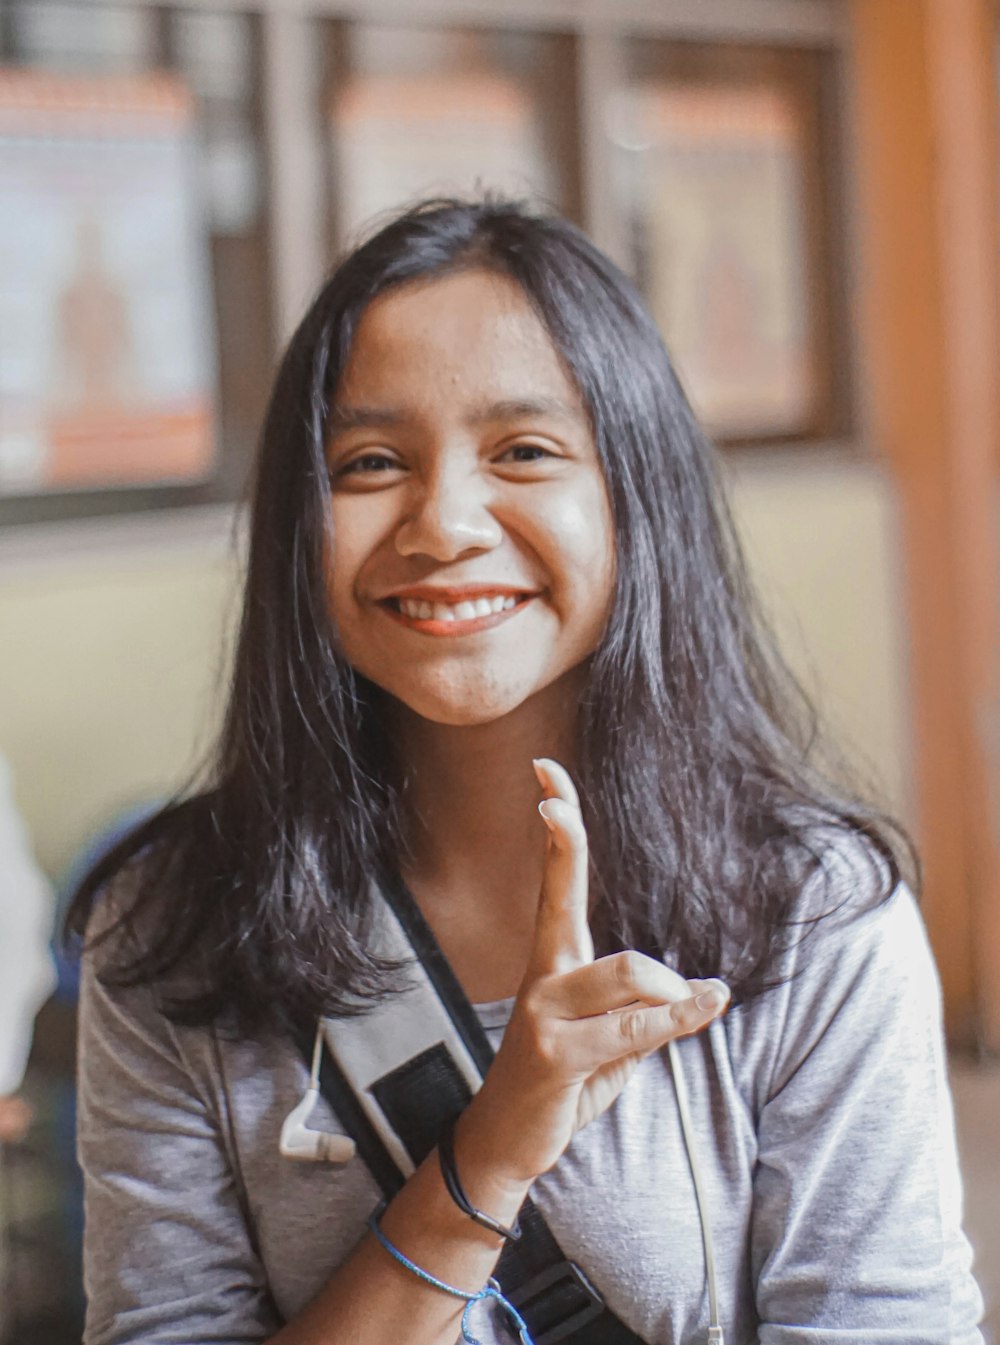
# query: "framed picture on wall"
[713,175]
[107,342]
[438,112]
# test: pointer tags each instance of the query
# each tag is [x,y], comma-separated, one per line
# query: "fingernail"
[543,809]
[709,1001]
[539,765]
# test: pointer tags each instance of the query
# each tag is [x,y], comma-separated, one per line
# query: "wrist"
[453,1183]
[488,1182]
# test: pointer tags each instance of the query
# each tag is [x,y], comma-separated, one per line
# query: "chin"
[465,705]
[463,713]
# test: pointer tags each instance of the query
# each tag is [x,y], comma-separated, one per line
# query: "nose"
[448,516]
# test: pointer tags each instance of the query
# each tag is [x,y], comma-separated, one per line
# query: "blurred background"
[807,193]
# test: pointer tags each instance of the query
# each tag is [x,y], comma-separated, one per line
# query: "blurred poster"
[400,137]
[106,333]
[713,177]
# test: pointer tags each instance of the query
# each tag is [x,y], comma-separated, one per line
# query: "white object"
[27,974]
[715,1334]
[312,1146]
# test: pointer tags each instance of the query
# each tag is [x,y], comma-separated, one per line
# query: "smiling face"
[473,551]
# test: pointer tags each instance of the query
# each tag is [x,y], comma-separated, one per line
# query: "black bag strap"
[552,1293]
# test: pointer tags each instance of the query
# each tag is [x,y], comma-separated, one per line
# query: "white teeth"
[421,610]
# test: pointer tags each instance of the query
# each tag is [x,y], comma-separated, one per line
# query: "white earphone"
[312,1146]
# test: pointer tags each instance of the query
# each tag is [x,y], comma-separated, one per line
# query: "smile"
[455,618]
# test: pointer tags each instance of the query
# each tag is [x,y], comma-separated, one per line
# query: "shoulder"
[854,972]
[851,900]
[855,914]
[154,855]
[137,970]
[120,932]
[140,911]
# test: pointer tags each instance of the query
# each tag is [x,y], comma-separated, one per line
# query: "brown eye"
[366,465]
[368,462]
[526,453]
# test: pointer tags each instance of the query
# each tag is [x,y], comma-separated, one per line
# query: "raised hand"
[579,1026]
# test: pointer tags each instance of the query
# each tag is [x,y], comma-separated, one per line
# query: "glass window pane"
[135,336]
[420,111]
[717,170]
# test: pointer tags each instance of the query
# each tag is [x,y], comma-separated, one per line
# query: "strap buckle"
[551,1324]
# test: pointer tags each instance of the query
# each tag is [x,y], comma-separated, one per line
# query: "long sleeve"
[856,1230]
[168,1255]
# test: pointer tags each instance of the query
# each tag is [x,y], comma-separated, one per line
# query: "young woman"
[489,566]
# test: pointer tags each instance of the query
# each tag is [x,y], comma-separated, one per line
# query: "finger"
[615,981]
[562,934]
[556,780]
[640,1030]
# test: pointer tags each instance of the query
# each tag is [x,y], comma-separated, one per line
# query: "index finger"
[562,932]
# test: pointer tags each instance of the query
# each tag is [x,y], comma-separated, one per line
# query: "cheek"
[356,537]
[582,535]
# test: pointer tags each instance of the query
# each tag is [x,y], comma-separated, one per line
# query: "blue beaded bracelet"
[492,1289]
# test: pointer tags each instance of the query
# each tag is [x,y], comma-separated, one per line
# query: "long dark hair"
[704,811]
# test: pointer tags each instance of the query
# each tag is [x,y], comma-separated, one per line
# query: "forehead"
[471,334]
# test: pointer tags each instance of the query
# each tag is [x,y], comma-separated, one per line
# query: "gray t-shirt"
[823,1123]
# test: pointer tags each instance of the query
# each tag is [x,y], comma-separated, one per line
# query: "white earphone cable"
[715,1336]
[317,1056]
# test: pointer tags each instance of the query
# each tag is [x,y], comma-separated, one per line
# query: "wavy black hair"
[705,810]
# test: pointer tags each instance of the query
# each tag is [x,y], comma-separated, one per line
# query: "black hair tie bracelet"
[446,1157]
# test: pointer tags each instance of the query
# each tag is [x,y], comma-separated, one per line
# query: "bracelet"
[446,1158]
[492,1289]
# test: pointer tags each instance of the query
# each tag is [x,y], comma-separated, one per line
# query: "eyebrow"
[343,417]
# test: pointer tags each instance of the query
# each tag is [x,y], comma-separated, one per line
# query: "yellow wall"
[821,536]
[110,673]
[112,637]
